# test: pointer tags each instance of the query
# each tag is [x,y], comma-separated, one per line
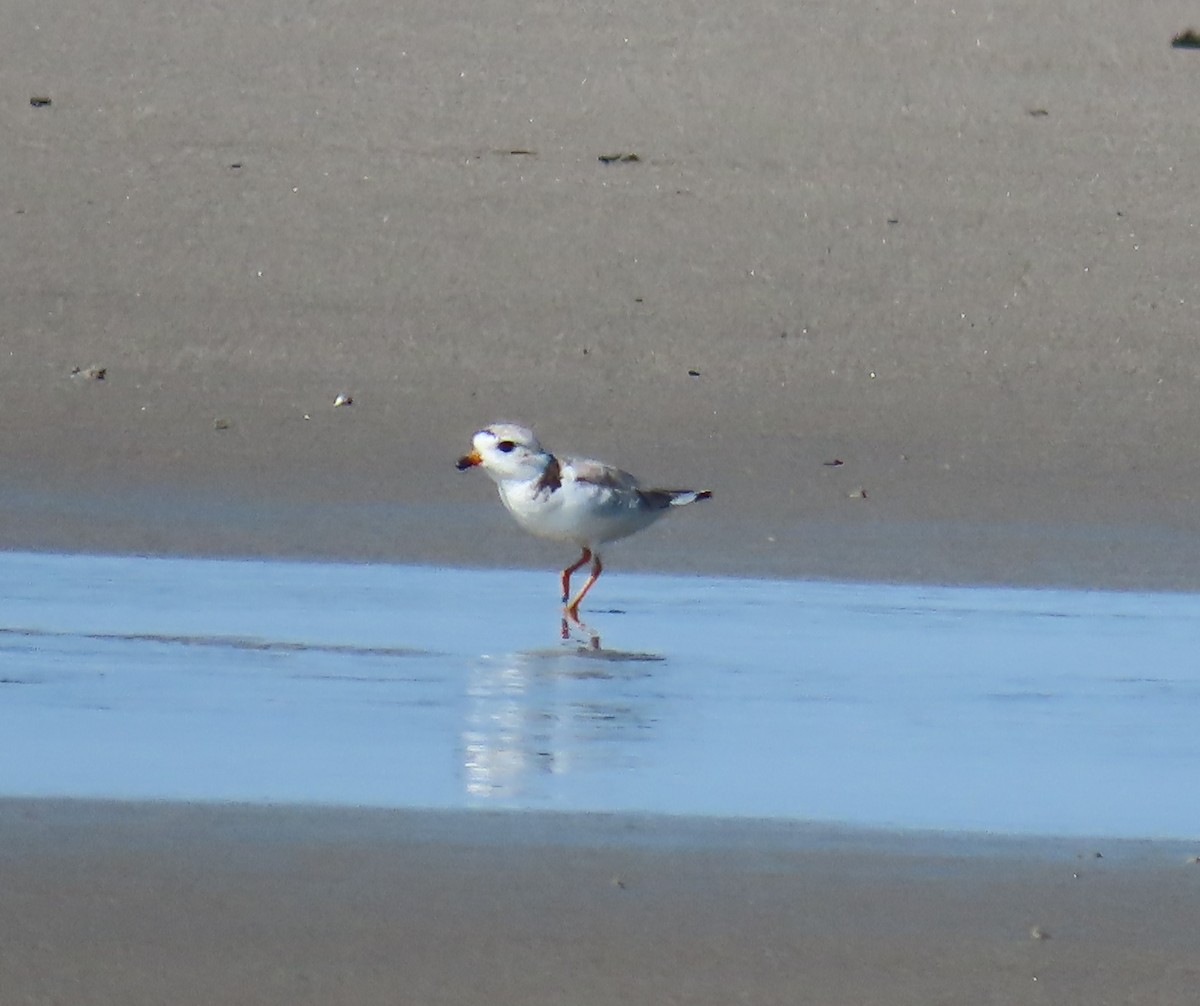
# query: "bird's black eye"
[505,446]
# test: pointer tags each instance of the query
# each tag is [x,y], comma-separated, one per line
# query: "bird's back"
[585,501]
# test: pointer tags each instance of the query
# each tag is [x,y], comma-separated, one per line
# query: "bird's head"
[506,451]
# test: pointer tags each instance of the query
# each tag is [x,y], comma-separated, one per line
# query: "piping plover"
[568,499]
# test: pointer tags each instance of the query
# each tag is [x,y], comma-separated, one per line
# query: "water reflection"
[1054,711]
[550,713]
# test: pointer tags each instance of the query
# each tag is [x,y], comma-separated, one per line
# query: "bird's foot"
[573,626]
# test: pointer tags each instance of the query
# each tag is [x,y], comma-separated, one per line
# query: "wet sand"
[152,903]
[947,247]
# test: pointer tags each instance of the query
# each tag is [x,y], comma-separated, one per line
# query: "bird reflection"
[533,717]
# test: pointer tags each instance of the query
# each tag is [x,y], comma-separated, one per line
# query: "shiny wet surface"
[1054,712]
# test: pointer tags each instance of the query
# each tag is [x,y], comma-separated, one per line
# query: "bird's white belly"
[585,514]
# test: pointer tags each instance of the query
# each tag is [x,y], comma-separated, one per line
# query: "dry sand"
[952,245]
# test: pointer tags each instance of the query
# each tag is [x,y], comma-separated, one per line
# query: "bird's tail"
[660,499]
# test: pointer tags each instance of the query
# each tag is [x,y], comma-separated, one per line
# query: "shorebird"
[578,500]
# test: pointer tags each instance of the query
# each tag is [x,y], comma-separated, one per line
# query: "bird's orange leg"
[597,569]
[572,609]
[566,573]
[566,590]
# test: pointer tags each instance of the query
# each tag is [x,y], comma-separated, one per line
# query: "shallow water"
[1051,712]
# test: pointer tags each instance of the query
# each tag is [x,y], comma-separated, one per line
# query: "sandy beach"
[950,247]
[147,903]
[947,247]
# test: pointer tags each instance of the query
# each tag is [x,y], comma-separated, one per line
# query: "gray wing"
[597,473]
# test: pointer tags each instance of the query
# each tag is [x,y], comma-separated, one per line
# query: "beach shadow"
[566,656]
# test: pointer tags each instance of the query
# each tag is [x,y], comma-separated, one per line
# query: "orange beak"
[468,461]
